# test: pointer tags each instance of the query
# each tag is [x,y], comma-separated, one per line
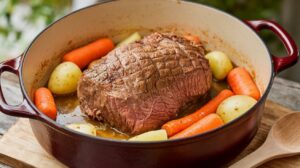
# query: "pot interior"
[117,19]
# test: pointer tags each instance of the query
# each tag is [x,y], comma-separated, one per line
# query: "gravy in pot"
[69,112]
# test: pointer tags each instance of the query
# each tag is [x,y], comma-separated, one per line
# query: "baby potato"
[219,63]
[83,128]
[234,107]
[64,78]
[157,135]
[132,38]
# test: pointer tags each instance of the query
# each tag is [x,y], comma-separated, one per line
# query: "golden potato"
[132,38]
[234,107]
[219,63]
[83,128]
[64,78]
[157,135]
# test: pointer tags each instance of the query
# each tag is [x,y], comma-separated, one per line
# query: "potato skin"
[156,135]
[83,128]
[234,107]
[132,38]
[219,63]
[64,78]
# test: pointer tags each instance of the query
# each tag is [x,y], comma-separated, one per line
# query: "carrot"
[44,101]
[90,52]
[208,123]
[175,126]
[193,38]
[242,83]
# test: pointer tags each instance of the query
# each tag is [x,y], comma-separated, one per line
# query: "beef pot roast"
[140,86]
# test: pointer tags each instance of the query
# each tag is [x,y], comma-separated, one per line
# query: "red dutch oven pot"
[225,32]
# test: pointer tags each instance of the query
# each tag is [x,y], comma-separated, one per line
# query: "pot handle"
[280,63]
[23,109]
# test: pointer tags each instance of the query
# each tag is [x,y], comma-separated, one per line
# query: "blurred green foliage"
[250,10]
[21,20]
[49,10]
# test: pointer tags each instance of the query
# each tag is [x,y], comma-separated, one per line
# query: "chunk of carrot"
[44,101]
[242,83]
[90,52]
[175,126]
[210,122]
[193,38]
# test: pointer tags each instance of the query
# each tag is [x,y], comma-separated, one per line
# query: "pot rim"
[169,142]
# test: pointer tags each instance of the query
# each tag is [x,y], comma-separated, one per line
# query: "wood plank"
[12,93]
[13,162]
[21,146]
[286,93]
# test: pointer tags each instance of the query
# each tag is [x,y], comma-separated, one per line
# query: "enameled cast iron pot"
[237,38]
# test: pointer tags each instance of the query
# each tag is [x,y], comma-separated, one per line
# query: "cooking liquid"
[69,112]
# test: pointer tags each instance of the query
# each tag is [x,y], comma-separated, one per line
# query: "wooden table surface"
[284,92]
